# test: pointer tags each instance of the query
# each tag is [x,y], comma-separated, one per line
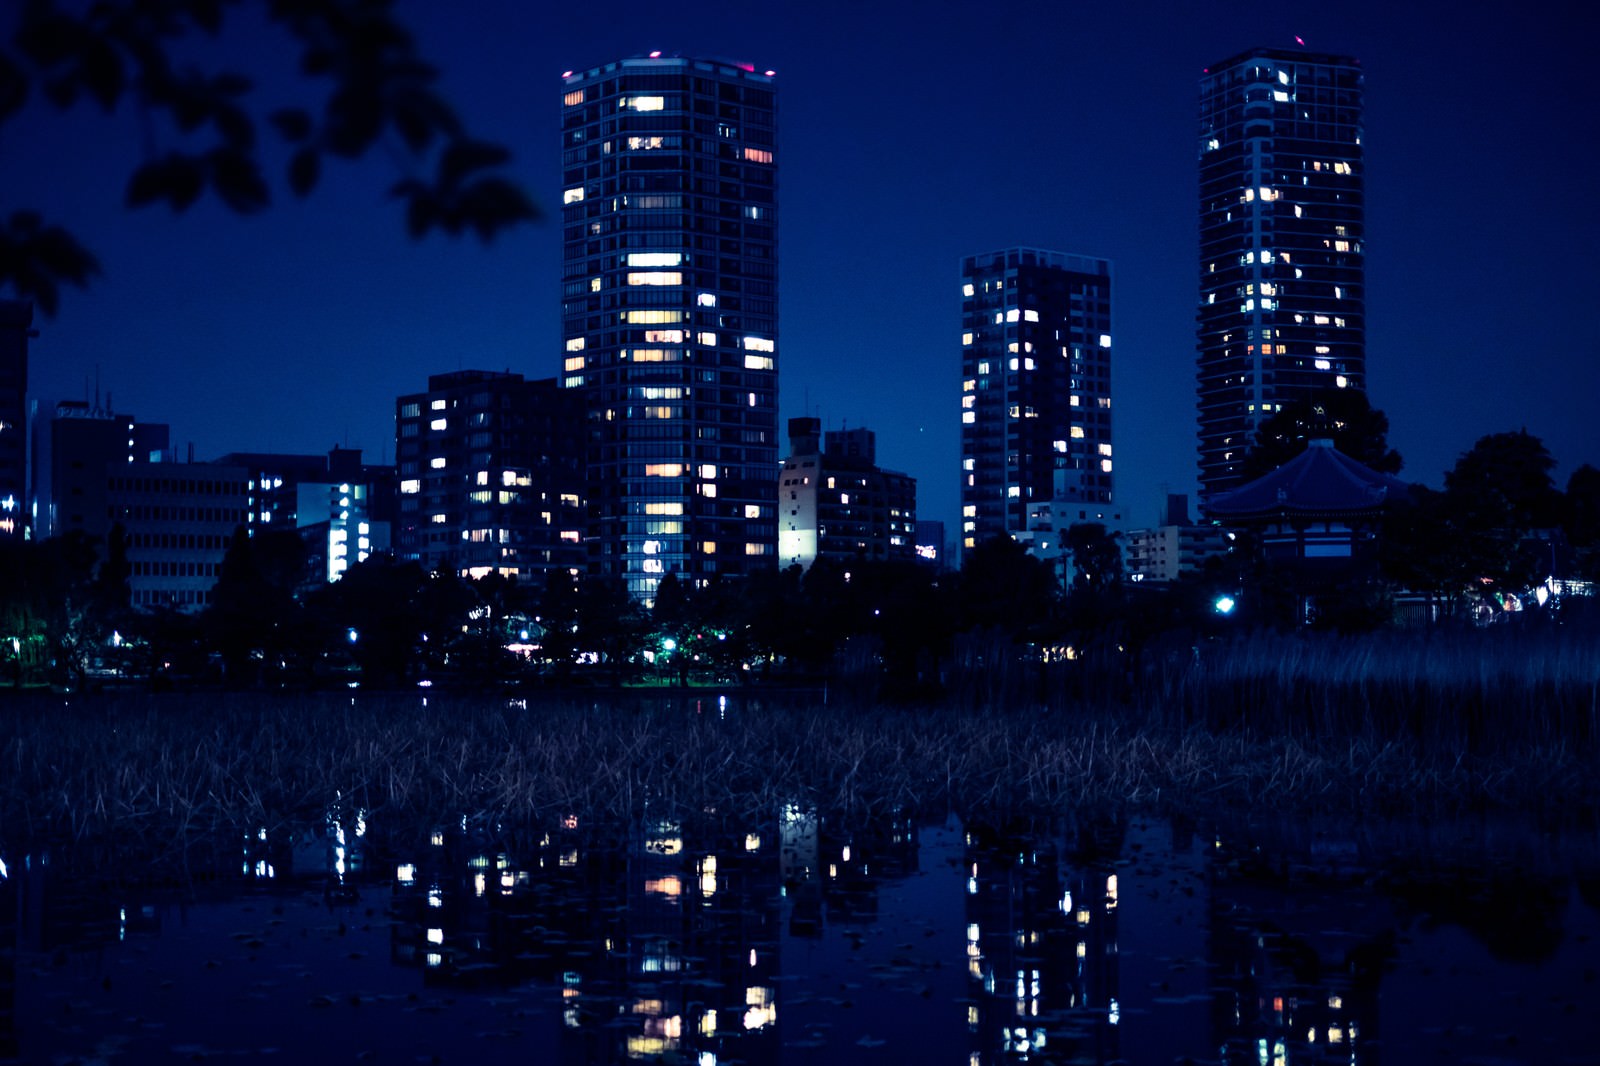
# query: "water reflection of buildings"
[1293,986]
[1041,948]
[663,941]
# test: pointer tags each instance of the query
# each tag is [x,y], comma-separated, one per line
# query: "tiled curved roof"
[1320,480]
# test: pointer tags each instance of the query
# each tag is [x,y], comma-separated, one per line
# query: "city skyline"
[1036,125]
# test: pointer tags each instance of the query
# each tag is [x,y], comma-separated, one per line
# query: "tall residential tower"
[1282,290]
[669,313]
[1035,387]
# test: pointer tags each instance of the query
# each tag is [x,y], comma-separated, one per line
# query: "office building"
[16,327]
[74,454]
[1282,291]
[490,476]
[1175,546]
[177,520]
[1035,387]
[342,508]
[835,502]
[669,314]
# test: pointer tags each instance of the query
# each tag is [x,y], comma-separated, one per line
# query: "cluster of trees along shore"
[1496,528]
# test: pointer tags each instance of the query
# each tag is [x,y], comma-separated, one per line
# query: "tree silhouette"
[1344,416]
[379,89]
[1500,494]
[1582,521]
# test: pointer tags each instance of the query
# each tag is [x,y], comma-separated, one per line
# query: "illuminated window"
[707,339]
[663,508]
[663,470]
[758,155]
[1030,316]
[655,259]
[436,463]
[438,423]
[574,97]
[410,486]
[760,344]
[652,318]
[643,103]
[656,277]
[575,344]
[706,299]
[966,338]
[663,336]
[758,362]
[966,290]
[574,363]
[1105,449]
[752,510]
[1105,340]
[1013,315]
[1077,432]
[572,195]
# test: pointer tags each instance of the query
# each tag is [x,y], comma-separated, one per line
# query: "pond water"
[797,940]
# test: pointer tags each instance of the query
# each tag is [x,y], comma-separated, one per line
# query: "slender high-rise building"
[1282,291]
[669,313]
[1035,387]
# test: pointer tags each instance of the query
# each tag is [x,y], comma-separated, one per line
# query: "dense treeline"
[908,632]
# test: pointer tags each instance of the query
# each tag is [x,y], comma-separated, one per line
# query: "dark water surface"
[798,940]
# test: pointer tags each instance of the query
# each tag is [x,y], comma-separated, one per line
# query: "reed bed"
[1477,692]
[154,775]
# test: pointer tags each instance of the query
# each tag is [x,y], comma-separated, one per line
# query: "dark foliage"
[1344,416]
[205,123]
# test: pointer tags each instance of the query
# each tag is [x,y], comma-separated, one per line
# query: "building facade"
[490,476]
[177,521]
[1035,387]
[1174,546]
[16,326]
[835,502]
[75,453]
[1281,273]
[669,314]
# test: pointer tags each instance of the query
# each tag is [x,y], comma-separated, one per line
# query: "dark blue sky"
[909,135]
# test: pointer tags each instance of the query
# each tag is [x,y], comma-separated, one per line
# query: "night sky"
[909,135]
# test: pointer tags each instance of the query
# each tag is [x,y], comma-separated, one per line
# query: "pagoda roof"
[1319,481]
